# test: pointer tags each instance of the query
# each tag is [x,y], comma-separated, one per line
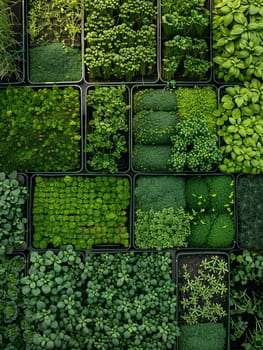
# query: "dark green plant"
[185,51]
[121,39]
[107,128]
[11,303]
[250,211]
[9,45]
[167,228]
[246,302]
[194,148]
[202,336]
[13,215]
[202,289]
[53,301]
[158,192]
[40,129]
[241,128]
[130,301]
[82,211]
[197,102]
[153,127]
[197,193]
[238,49]
[154,100]
[151,157]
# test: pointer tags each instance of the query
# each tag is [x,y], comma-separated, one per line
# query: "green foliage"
[167,228]
[130,301]
[221,192]
[11,303]
[53,62]
[40,129]
[53,301]
[184,40]
[9,59]
[107,128]
[154,100]
[13,195]
[202,288]
[238,48]
[200,229]
[202,336]
[158,192]
[250,211]
[82,211]
[241,128]
[151,157]
[120,38]
[246,302]
[197,193]
[197,102]
[194,148]
[153,127]
[222,232]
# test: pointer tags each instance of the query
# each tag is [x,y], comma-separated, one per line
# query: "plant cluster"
[11,303]
[107,129]
[13,196]
[121,39]
[130,301]
[237,34]
[185,39]
[194,147]
[9,57]
[54,28]
[203,289]
[250,211]
[53,301]
[246,303]
[40,129]
[210,201]
[82,211]
[241,128]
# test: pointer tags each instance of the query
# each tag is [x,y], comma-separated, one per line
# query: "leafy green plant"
[185,50]
[194,148]
[246,299]
[107,144]
[238,49]
[11,302]
[9,45]
[54,29]
[40,129]
[167,228]
[241,128]
[53,301]
[120,38]
[13,196]
[82,211]
[250,210]
[151,157]
[154,100]
[130,301]
[202,288]
[202,336]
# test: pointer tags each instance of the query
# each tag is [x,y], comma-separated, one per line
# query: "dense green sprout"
[197,193]
[202,336]
[151,157]
[222,232]
[200,229]
[221,192]
[158,192]
[154,127]
[154,100]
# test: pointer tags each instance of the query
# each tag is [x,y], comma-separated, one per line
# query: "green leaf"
[228,19]
[239,101]
[46,289]
[237,29]
[36,291]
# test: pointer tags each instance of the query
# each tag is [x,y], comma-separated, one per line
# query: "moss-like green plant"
[197,193]
[154,127]
[222,232]
[158,192]
[221,193]
[154,100]
[200,230]
[202,336]
[9,57]
[151,157]
[52,63]
[167,228]
[40,129]
[250,211]
[197,102]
